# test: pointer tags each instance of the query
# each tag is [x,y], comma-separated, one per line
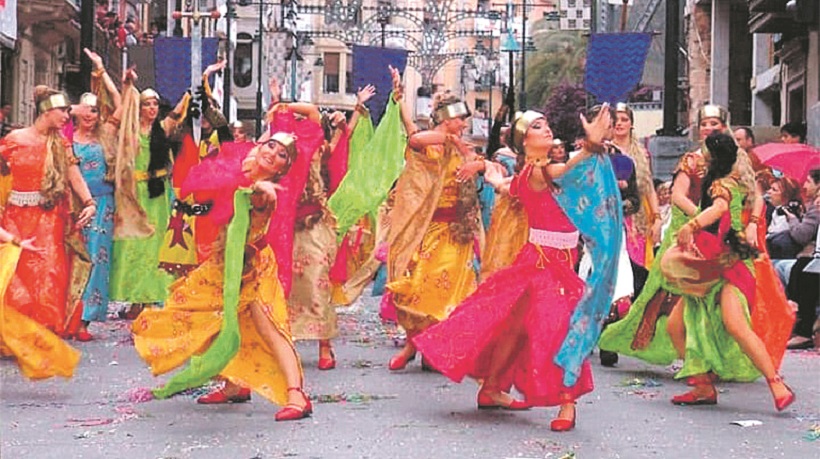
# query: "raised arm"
[596,131]
[105,80]
[362,96]
[398,96]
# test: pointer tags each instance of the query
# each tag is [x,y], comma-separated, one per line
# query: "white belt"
[554,239]
[25,198]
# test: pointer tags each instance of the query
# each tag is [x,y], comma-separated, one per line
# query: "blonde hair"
[53,185]
[442,99]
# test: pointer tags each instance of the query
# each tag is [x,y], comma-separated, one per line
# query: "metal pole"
[523,95]
[624,14]
[670,72]
[490,102]
[226,72]
[293,55]
[86,41]
[259,74]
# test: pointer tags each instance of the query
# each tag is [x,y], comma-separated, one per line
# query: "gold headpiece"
[149,94]
[713,111]
[88,99]
[520,126]
[624,108]
[53,101]
[455,110]
[288,141]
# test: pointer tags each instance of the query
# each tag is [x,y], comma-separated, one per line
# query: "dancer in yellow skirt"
[200,306]
[435,223]
[39,353]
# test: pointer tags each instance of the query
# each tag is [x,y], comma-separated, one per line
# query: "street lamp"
[383,15]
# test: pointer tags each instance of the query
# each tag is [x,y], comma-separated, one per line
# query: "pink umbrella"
[793,160]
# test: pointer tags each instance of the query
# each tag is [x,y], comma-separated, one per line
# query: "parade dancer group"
[227,251]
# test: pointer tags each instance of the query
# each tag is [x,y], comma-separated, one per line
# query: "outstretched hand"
[398,87]
[94,58]
[28,244]
[130,76]
[267,189]
[275,89]
[213,68]
[598,129]
[365,94]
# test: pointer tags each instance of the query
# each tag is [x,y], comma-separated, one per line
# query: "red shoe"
[487,402]
[783,402]
[83,336]
[295,412]
[399,361]
[219,397]
[691,398]
[326,363]
[563,424]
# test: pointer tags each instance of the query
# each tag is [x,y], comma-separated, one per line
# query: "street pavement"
[362,410]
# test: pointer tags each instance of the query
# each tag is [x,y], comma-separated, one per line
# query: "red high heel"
[293,412]
[219,396]
[783,402]
[694,398]
[326,363]
[399,361]
[487,402]
[563,424]
[83,336]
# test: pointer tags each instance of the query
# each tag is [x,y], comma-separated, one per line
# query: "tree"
[560,59]
[564,105]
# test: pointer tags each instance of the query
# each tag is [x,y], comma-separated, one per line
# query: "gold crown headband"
[452,111]
[521,125]
[287,140]
[53,101]
[149,94]
[88,99]
[624,108]
[713,111]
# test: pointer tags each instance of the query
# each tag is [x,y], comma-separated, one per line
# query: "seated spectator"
[559,151]
[784,196]
[803,286]
[664,192]
[793,132]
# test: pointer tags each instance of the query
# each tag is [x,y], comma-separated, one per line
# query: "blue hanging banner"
[370,67]
[615,64]
[172,61]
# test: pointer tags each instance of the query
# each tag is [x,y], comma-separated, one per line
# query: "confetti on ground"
[640,382]
[813,433]
[351,398]
[90,422]
[138,395]
[747,423]
[361,363]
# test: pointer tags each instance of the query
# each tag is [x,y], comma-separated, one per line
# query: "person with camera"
[802,286]
[784,196]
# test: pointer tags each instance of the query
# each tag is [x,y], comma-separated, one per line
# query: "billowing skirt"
[530,301]
[166,338]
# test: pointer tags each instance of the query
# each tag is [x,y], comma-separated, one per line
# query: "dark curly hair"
[723,150]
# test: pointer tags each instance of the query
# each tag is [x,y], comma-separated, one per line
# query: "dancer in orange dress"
[44,173]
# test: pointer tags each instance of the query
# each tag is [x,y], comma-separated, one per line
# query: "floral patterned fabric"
[440,273]
[99,234]
[39,287]
[39,353]
[530,301]
[166,338]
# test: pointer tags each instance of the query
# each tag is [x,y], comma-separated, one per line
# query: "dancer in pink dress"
[509,332]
